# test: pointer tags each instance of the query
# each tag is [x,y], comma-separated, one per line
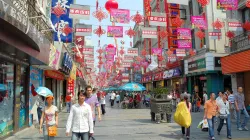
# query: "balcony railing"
[240,43]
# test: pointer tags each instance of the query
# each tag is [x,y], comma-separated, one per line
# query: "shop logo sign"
[197,64]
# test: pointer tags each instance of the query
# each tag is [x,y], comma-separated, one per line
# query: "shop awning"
[54,74]
[235,63]
[79,73]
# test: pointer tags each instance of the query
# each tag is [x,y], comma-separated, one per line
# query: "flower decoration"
[137,18]
[99,31]
[218,24]
[99,57]
[100,14]
[230,34]
[67,30]
[203,3]
[177,21]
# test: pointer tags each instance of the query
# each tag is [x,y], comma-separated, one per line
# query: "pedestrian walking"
[92,100]
[210,114]
[80,119]
[103,103]
[204,97]
[50,114]
[68,100]
[224,115]
[40,105]
[112,97]
[117,99]
[231,100]
[189,106]
[240,108]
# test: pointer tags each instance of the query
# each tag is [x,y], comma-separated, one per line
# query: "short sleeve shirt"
[240,99]
[211,107]
[93,102]
[50,115]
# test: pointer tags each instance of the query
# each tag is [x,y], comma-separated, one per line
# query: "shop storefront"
[203,73]
[147,82]
[173,79]
[158,80]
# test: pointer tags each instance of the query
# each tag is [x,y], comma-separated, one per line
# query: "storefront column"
[189,85]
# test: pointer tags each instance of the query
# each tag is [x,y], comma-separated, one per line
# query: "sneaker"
[245,128]
[229,137]
[213,138]
[187,137]
[218,132]
[240,129]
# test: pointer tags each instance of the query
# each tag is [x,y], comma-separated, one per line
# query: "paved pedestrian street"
[135,124]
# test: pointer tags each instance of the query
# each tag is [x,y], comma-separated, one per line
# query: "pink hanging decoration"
[100,15]
[137,18]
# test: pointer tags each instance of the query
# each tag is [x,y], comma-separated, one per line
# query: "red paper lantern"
[200,34]
[230,34]
[203,2]
[137,18]
[100,15]
[177,21]
[248,3]
[111,4]
[246,25]
[99,31]
[218,24]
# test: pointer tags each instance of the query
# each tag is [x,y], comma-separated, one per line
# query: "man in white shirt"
[82,126]
[112,98]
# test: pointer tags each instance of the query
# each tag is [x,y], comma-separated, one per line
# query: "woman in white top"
[80,120]
[50,113]
[224,115]
[103,103]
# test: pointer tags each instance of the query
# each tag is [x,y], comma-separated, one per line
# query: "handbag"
[223,116]
[52,131]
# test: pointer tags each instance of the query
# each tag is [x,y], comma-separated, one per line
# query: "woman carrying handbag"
[224,114]
[50,113]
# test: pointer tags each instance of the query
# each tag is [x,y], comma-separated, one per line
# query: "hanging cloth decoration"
[218,25]
[131,33]
[99,32]
[100,14]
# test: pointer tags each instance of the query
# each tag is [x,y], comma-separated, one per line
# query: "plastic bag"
[182,115]
[204,125]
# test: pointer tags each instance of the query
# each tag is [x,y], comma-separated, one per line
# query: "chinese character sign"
[199,22]
[157,19]
[115,31]
[132,51]
[183,33]
[79,11]
[71,86]
[184,44]
[83,30]
[60,19]
[120,15]
[227,4]
[149,32]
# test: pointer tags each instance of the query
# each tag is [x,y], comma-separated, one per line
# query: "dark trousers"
[183,131]
[39,114]
[103,109]
[112,103]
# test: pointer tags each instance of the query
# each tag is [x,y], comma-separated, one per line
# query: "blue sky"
[132,5]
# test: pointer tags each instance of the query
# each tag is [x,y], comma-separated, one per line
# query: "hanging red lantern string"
[122,52]
[99,32]
[100,51]
[200,35]
[100,14]
[177,21]
[131,33]
[248,3]
[111,4]
[246,26]
[137,18]
[203,2]
[230,34]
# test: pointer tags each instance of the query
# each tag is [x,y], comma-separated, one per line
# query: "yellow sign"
[73,72]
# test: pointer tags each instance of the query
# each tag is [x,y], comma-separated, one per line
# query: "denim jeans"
[45,134]
[39,114]
[245,120]
[211,126]
[68,104]
[233,111]
[81,136]
[228,121]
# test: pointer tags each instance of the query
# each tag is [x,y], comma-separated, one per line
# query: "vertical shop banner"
[199,22]
[149,32]
[79,11]
[128,58]
[234,25]
[132,51]
[184,44]
[73,72]
[180,52]
[88,50]
[183,33]
[157,51]
[157,19]
[227,4]
[120,15]
[182,2]
[115,31]
[36,80]
[147,7]
[83,30]
[71,86]
[55,54]
[61,20]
